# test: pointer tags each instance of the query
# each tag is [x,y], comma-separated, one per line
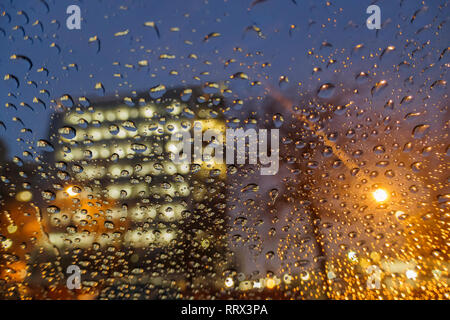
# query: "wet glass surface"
[94,205]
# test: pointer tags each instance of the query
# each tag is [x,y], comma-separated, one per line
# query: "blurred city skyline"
[86,171]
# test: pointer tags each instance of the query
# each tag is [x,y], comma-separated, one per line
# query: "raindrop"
[278,120]
[362,77]
[420,131]
[100,89]
[44,145]
[326,91]
[114,129]
[138,148]
[129,125]
[379,86]
[157,91]
[67,132]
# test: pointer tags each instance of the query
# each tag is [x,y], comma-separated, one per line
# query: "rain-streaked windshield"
[224,149]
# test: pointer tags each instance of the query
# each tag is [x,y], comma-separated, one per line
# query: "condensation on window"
[347,198]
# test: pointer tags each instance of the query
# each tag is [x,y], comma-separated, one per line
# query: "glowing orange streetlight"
[380,195]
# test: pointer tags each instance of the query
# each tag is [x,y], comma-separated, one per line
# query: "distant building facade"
[120,192]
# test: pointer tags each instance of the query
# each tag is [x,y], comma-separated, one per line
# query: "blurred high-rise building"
[121,203]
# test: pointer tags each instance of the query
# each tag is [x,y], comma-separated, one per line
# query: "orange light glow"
[270,283]
[380,195]
[70,191]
